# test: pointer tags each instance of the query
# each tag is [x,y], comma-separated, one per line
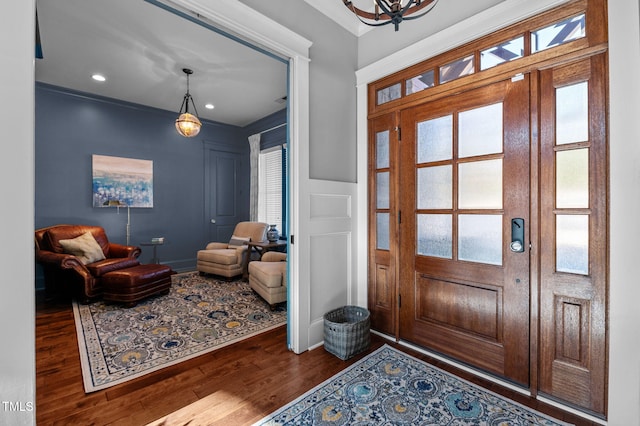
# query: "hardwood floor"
[236,385]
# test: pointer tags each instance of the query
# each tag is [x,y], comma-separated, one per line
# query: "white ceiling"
[336,10]
[141,49]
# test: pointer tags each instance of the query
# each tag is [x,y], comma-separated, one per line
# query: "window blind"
[271,189]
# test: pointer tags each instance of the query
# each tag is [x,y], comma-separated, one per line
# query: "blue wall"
[63,174]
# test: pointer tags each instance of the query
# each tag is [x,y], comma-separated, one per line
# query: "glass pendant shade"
[188,125]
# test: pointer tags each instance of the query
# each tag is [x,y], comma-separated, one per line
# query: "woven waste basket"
[346,331]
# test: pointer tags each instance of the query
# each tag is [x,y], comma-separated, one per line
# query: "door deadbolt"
[517,235]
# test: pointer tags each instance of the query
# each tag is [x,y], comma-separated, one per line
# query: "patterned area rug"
[389,387]
[199,315]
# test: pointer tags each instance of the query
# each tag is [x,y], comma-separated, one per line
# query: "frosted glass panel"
[480,238]
[572,244]
[435,139]
[420,82]
[480,131]
[505,52]
[572,178]
[382,150]
[572,113]
[480,185]
[435,235]
[382,190]
[435,187]
[382,231]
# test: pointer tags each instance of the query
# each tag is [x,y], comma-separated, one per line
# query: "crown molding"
[336,11]
[253,26]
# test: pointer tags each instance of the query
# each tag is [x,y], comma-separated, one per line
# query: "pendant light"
[391,11]
[188,124]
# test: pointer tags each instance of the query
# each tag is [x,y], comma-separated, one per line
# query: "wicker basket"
[346,331]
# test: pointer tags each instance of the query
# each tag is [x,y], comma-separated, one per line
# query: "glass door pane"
[480,185]
[382,190]
[480,238]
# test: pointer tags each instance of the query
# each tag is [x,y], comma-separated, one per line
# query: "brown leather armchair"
[64,271]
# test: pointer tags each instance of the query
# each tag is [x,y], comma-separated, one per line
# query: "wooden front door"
[464,227]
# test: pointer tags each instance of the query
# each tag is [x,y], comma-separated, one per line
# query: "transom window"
[558,33]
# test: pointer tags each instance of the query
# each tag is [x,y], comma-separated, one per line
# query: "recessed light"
[209,106]
[98,77]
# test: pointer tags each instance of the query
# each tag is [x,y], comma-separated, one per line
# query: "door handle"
[517,235]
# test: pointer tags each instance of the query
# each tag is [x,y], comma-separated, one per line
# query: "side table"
[154,244]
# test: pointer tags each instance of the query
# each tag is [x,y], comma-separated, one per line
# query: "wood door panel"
[572,330]
[458,271]
[472,311]
[462,346]
[468,308]
[383,289]
[571,384]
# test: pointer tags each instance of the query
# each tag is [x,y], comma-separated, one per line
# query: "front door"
[464,227]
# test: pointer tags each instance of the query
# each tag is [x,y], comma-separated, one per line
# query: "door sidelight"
[517,235]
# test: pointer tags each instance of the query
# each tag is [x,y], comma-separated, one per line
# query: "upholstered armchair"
[268,277]
[75,257]
[228,258]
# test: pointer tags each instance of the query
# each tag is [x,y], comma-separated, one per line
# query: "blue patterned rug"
[199,315]
[389,387]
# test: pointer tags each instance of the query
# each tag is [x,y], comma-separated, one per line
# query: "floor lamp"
[118,204]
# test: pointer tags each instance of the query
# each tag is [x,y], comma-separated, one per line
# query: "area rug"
[389,387]
[199,315]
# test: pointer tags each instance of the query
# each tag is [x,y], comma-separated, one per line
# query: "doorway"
[488,206]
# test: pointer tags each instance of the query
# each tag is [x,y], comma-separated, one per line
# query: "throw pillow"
[85,247]
[236,241]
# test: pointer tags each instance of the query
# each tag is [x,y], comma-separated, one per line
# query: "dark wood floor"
[236,385]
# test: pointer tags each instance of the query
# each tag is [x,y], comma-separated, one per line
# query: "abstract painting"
[127,181]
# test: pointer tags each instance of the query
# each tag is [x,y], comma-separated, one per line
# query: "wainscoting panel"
[329,281]
[331,252]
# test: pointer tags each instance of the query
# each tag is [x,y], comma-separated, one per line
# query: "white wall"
[17,312]
[332,147]
[624,55]
[624,172]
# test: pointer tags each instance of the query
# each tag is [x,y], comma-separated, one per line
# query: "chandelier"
[188,124]
[392,11]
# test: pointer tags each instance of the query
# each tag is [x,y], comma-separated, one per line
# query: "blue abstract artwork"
[122,181]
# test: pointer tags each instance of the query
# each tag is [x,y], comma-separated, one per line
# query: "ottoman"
[131,285]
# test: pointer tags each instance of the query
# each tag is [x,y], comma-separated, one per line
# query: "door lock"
[517,235]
